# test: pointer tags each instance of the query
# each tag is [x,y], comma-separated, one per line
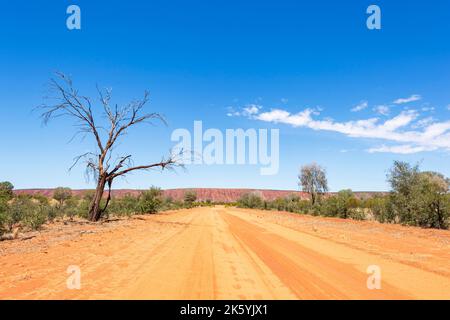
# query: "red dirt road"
[226,253]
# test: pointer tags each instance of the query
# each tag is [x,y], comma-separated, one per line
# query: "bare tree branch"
[67,102]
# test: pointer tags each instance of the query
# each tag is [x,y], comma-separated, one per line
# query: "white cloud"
[414,97]
[401,149]
[423,122]
[361,106]
[232,113]
[382,109]
[247,111]
[428,109]
[411,133]
[251,109]
[282,116]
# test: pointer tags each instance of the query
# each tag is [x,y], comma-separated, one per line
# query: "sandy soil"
[226,253]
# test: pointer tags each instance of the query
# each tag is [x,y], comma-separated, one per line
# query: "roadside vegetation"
[417,198]
[26,212]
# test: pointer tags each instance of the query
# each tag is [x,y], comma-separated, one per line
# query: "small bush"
[70,208]
[37,216]
[61,194]
[190,196]
[151,200]
[17,211]
[28,212]
[83,208]
[124,206]
[41,199]
[251,200]
[380,209]
[88,195]
[342,205]
[3,217]
[357,214]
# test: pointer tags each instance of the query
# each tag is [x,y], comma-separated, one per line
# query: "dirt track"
[222,253]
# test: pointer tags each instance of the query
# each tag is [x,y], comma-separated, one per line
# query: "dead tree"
[68,102]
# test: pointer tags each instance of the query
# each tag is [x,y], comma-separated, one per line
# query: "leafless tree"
[66,101]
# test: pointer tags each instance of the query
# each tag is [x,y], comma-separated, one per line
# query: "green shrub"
[88,195]
[61,194]
[83,208]
[347,203]
[303,206]
[3,216]
[28,212]
[190,196]
[328,207]
[37,216]
[357,214]
[252,200]
[41,199]
[17,211]
[70,208]
[231,204]
[169,204]
[151,200]
[295,204]
[342,205]
[381,209]
[124,206]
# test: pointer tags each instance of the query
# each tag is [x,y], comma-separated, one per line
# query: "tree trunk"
[95,212]
[313,198]
[440,216]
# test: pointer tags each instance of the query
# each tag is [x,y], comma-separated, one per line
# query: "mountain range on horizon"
[203,194]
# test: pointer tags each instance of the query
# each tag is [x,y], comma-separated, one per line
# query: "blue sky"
[303,65]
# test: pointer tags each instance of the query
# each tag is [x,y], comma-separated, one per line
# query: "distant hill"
[203,194]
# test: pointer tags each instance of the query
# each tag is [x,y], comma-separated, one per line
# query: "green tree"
[403,178]
[62,194]
[346,203]
[431,193]
[6,190]
[313,180]
[418,198]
